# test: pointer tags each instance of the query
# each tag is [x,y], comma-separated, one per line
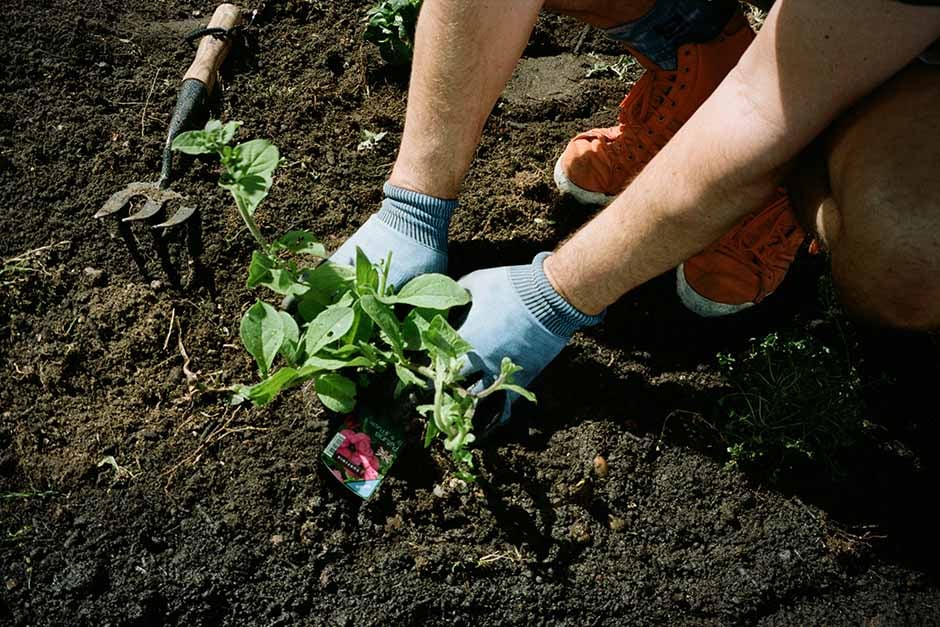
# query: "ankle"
[422,217]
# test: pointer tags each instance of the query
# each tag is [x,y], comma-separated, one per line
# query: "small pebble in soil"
[458,485]
[438,491]
[277,539]
[580,533]
[617,523]
[95,276]
[600,467]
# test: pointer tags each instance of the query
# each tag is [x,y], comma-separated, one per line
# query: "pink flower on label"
[357,449]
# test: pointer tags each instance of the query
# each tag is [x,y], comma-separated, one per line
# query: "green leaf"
[521,391]
[262,333]
[259,270]
[367,277]
[442,337]
[336,392]
[383,316]
[506,371]
[321,363]
[343,351]
[415,325]
[326,282]
[263,392]
[300,243]
[407,377]
[257,157]
[291,336]
[284,282]
[211,139]
[374,354]
[263,271]
[327,327]
[250,178]
[193,143]
[459,440]
[227,132]
[430,431]
[432,291]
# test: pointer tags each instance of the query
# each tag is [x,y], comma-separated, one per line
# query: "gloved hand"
[516,313]
[413,226]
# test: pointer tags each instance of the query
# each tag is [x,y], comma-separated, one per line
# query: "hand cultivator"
[191,109]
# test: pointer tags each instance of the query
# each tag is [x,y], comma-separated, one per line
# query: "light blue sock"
[419,216]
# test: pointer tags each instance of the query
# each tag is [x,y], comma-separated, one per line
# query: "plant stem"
[253,229]
[494,387]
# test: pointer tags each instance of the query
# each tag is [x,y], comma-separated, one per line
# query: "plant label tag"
[361,452]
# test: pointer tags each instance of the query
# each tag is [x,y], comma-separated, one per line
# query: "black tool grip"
[190,106]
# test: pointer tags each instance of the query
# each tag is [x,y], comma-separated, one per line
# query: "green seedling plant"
[352,325]
[795,399]
[390,25]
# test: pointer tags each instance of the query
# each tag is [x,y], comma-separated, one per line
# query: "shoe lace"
[644,100]
[766,243]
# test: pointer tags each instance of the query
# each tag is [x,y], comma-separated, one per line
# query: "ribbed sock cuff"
[419,216]
[548,306]
[672,23]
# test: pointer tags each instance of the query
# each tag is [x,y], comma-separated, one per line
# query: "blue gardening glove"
[516,313]
[413,226]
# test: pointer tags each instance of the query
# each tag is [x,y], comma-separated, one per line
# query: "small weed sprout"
[370,140]
[18,269]
[353,324]
[619,68]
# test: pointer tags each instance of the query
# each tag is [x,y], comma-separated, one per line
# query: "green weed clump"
[390,25]
[795,400]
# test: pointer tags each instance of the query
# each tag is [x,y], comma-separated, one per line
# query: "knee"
[892,301]
[889,275]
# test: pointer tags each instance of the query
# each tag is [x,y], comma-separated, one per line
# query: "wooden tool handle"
[212,51]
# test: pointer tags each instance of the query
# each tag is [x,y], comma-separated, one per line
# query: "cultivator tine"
[119,200]
[182,215]
[151,208]
[131,242]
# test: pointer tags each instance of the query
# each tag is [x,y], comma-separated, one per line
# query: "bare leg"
[601,13]
[465,52]
[881,219]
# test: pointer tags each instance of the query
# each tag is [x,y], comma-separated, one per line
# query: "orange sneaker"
[745,266]
[598,164]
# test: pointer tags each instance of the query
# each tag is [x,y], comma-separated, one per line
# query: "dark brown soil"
[222,516]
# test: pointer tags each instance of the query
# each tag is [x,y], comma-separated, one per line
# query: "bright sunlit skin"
[730,156]
[465,53]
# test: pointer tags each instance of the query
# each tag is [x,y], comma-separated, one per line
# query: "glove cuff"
[548,306]
[419,216]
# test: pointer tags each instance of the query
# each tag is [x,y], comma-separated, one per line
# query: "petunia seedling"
[351,326]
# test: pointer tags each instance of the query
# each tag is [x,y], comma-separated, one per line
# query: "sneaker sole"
[583,196]
[698,304]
